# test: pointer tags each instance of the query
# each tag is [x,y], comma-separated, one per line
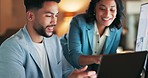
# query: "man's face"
[46,19]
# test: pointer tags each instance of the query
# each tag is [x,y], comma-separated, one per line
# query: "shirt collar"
[106,33]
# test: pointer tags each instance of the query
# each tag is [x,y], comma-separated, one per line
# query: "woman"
[93,34]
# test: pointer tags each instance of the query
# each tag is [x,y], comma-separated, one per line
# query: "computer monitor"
[142,35]
[146,72]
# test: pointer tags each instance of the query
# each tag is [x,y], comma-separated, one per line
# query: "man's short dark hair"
[36,4]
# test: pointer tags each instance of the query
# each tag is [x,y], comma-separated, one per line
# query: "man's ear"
[30,16]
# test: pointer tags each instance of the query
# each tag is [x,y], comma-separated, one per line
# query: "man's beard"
[41,30]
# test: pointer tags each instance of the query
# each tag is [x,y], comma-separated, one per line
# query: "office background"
[12,18]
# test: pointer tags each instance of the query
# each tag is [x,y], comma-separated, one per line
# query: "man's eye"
[56,15]
[48,15]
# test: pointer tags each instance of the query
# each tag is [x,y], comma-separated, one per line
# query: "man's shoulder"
[15,39]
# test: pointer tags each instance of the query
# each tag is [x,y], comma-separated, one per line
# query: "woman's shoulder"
[80,16]
[115,29]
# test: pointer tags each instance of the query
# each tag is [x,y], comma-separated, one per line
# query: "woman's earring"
[94,14]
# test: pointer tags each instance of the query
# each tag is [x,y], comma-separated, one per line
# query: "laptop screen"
[127,65]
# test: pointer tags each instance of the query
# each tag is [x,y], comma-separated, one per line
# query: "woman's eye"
[102,8]
[112,10]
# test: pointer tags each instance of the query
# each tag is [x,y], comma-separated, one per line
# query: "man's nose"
[53,20]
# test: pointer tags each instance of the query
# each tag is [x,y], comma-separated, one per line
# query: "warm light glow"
[72,5]
[69,14]
[64,26]
[69,8]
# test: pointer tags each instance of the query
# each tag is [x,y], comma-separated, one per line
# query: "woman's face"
[106,11]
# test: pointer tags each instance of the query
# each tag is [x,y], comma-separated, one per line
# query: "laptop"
[126,65]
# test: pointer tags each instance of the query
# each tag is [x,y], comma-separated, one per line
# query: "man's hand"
[82,73]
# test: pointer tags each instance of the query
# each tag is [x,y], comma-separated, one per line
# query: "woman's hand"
[90,59]
[97,59]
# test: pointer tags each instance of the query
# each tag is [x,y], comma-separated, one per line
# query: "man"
[34,51]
